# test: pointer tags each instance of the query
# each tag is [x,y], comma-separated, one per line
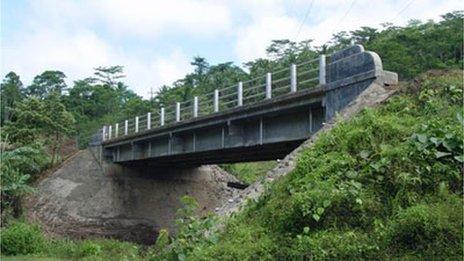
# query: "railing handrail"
[268,87]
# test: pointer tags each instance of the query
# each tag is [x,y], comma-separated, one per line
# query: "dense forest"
[39,118]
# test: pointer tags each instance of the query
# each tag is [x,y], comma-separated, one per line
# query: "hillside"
[385,184]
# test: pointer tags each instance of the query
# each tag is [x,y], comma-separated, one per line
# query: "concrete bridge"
[260,119]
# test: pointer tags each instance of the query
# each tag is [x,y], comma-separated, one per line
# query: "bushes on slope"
[370,188]
[21,239]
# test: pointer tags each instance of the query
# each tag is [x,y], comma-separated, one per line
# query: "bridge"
[264,118]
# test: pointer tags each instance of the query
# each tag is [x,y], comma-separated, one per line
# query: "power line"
[402,10]
[343,17]
[304,18]
[347,11]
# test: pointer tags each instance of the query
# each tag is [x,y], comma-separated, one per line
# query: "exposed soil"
[84,199]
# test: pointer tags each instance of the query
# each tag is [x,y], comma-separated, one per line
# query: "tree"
[47,83]
[283,48]
[18,166]
[109,76]
[364,36]
[60,124]
[200,65]
[11,92]
[36,119]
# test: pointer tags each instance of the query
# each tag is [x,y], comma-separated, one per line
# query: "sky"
[156,40]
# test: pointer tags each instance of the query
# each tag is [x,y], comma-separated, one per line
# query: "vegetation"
[386,184]
[249,172]
[27,240]
[18,167]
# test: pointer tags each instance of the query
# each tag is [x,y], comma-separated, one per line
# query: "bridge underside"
[263,132]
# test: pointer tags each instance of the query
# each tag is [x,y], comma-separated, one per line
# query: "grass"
[249,172]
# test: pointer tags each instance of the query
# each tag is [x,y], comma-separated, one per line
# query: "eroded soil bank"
[88,198]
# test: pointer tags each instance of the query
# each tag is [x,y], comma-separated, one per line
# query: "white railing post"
[216,100]
[148,120]
[116,130]
[293,78]
[137,124]
[177,111]
[109,132]
[268,85]
[104,133]
[162,117]
[126,127]
[195,106]
[322,69]
[240,94]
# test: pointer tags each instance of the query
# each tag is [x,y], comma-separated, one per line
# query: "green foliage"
[428,229]
[387,184]
[237,245]
[27,159]
[249,172]
[412,49]
[109,76]
[99,249]
[90,248]
[21,238]
[47,83]
[190,231]
[36,118]
[10,93]
[335,245]
[16,169]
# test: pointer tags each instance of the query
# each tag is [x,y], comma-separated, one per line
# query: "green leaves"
[442,146]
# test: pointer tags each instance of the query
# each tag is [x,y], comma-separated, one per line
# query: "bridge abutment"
[92,197]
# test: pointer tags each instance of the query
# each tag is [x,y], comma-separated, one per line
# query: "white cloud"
[142,75]
[153,18]
[44,49]
[77,54]
[171,68]
[252,40]
[77,36]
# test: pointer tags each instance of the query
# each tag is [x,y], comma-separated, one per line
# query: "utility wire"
[347,11]
[343,17]
[402,10]
[310,7]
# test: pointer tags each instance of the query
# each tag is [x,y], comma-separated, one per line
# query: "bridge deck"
[260,131]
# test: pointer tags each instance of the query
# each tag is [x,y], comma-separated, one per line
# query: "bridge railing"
[273,84]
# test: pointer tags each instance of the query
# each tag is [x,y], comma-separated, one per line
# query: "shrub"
[20,238]
[190,231]
[89,248]
[429,229]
